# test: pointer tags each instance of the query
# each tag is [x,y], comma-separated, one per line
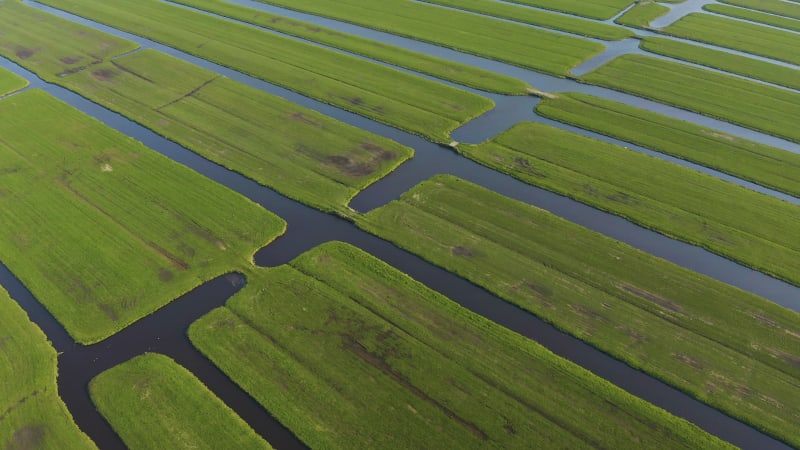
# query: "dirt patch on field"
[104,74]
[348,166]
[109,311]
[165,275]
[71,59]
[300,117]
[25,53]
[689,361]
[793,360]
[460,250]
[29,437]
[727,137]
[526,166]
[587,312]
[764,320]
[653,298]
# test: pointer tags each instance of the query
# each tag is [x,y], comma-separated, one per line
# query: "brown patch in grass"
[349,167]
[71,59]
[587,312]
[109,311]
[165,275]
[793,360]
[715,134]
[764,320]
[356,101]
[689,361]
[104,74]
[25,53]
[300,117]
[524,164]
[29,437]
[653,298]
[459,250]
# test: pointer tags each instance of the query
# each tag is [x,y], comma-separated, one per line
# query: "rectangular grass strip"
[409,102]
[31,413]
[768,166]
[754,16]
[10,82]
[104,230]
[730,349]
[593,9]
[349,352]
[751,104]
[642,14]
[776,7]
[153,402]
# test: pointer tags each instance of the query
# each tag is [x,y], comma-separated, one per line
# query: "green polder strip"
[759,163]
[755,16]
[516,44]
[31,413]
[593,9]
[409,102]
[642,14]
[420,62]
[153,402]
[539,18]
[102,229]
[751,104]
[730,349]
[10,82]
[396,365]
[740,224]
[778,7]
[728,62]
[735,34]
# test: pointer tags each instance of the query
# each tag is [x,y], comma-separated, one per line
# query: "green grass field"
[396,365]
[777,7]
[755,16]
[740,224]
[409,102]
[728,348]
[153,402]
[768,166]
[764,108]
[539,18]
[593,9]
[741,65]
[642,14]
[102,229]
[10,83]
[516,44]
[420,62]
[735,34]
[32,416]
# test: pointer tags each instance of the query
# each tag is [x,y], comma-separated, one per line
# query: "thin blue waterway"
[678,11]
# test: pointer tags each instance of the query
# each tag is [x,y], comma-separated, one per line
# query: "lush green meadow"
[768,166]
[593,9]
[741,65]
[516,44]
[540,18]
[642,14]
[420,62]
[738,35]
[32,416]
[777,7]
[755,16]
[412,103]
[153,402]
[102,229]
[10,82]
[730,349]
[751,104]
[350,353]
[740,224]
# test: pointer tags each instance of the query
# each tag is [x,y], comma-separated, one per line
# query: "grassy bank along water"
[768,166]
[10,82]
[642,14]
[516,44]
[730,349]
[421,62]
[740,224]
[593,9]
[408,102]
[747,103]
[777,7]
[738,35]
[153,402]
[396,365]
[754,16]
[31,413]
[102,229]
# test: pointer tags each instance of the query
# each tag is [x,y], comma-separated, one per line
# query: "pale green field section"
[516,44]
[406,101]
[777,7]
[350,353]
[32,416]
[733,350]
[594,9]
[642,14]
[768,166]
[755,16]
[152,402]
[421,62]
[104,230]
[748,103]
[10,82]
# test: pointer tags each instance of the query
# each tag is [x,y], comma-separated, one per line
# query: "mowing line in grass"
[396,365]
[153,402]
[728,348]
[754,16]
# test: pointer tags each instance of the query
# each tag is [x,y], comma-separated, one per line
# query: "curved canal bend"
[307,227]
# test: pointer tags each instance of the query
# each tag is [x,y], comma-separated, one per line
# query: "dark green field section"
[10,82]
[730,349]
[104,230]
[32,416]
[420,62]
[768,166]
[738,35]
[594,9]
[153,402]
[516,44]
[642,14]
[350,353]
[737,64]
[755,16]
[740,224]
[777,7]
[751,104]
[539,18]
[409,102]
